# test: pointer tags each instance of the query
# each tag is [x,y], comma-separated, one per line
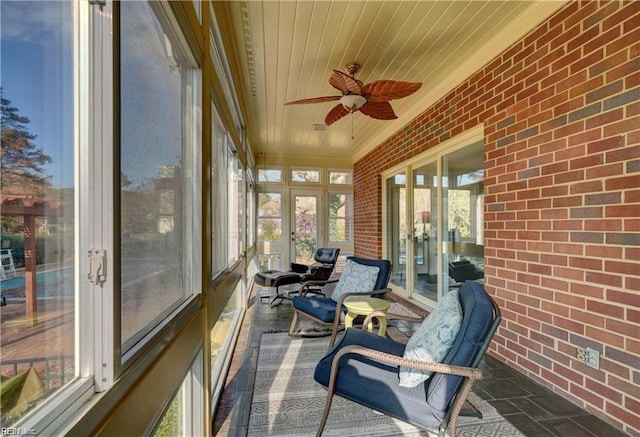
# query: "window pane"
[340,209]
[251,216]
[240,213]
[219,199]
[272,261]
[184,415]
[153,181]
[301,175]
[233,199]
[171,424]
[463,188]
[269,216]
[37,317]
[425,279]
[272,175]
[305,235]
[221,337]
[340,177]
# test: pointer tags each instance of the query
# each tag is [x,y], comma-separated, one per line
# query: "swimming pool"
[53,282]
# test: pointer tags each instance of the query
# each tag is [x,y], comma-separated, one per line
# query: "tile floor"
[533,409]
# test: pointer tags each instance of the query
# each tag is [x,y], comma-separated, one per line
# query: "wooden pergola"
[30,208]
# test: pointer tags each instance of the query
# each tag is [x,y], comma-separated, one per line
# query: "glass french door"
[305,226]
[434,222]
[396,231]
[425,231]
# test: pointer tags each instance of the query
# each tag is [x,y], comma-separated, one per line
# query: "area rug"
[288,402]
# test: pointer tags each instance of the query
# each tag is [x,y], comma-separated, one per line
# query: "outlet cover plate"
[592,358]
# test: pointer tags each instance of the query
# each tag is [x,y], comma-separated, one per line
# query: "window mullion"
[101,199]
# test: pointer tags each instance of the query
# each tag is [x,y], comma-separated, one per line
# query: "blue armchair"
[364,368]
[328,310]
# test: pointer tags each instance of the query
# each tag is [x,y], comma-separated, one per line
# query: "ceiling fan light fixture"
[371,99]
[352,102]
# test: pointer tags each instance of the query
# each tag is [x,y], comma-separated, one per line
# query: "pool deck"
[50,333]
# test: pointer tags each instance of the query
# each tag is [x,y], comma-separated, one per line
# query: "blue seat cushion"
[321,308]
[374,384]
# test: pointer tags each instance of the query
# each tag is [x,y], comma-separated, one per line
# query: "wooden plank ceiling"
[288,49]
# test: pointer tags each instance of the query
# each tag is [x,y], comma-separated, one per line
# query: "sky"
[36,75]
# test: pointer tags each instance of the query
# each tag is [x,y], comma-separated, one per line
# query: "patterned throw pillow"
[433,339]
[356,278]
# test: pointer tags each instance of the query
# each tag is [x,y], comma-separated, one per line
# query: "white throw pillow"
[433,339]
[355,278]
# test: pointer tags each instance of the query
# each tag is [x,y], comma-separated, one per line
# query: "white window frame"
[233,206]
[193,398]
[92,50]
[97,322]
[251,210]
[242,210]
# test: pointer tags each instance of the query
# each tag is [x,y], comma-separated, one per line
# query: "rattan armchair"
[329,312]
[363,367]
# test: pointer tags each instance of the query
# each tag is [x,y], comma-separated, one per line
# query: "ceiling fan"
[371,99]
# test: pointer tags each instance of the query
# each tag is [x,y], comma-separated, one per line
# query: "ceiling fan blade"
[379,110]
[314,100]
[335,114]
[345,83]
[385,90]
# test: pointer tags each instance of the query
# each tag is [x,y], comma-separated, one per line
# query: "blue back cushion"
[478,317]
[355,278]
[384,266]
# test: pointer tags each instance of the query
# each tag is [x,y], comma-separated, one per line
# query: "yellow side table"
[363,306]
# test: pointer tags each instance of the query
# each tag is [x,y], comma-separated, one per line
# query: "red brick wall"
[561,113]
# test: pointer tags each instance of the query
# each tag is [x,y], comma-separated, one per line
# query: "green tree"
[21,160]
[269,217]
[460,212]
[337,230]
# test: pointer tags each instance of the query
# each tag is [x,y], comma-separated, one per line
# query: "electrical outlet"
[592,358]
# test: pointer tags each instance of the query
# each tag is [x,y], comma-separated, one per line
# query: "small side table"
[363,306]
